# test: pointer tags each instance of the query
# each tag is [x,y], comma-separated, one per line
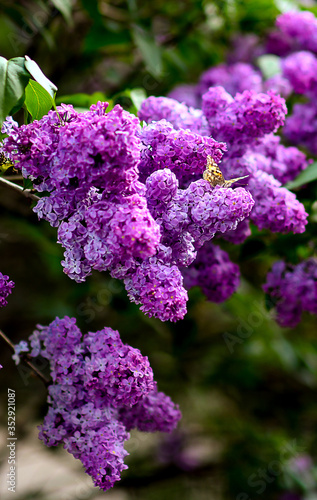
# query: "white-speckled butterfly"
[214,175]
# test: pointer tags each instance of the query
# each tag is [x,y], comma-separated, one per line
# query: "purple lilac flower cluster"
[93,189]
[213,271]
[242,120]
[299,30]
[6,286]
[293,289]
[101,389]
[246,123]
[297,35]
[127,199]
[235,78]
[132,200]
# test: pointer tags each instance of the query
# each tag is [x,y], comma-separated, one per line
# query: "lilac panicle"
[107,234]
[182,151]
[240,122]
[276,208]
[215,209]
[158,286]
[238,235]
[233,78]
[215,102]
[300,69]
[278,43]
[186,94]
[69,153]
[293,289]
[97,382]
[6,286]
[245,48]
[156,413]
[154,109]
[201,210]
[88,163]
[213,271]
[284,163]
[279,84]
[132,201]
[300,28]
[300,127]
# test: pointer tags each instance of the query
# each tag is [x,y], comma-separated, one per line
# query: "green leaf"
[38,101]
[27,184]
[82,100]
[38,75]
[13,80]
[308,175]
[286,5]
[150,51]
[137,96]
[65,8]
[269,65]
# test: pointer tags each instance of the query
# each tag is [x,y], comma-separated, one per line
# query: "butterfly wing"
[213,173]
[231,181]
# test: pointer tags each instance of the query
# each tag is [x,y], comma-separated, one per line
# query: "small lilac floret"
[6,286]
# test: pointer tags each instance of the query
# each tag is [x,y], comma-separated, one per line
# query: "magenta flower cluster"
[6,286]
[293,289]
[213,271]
[297,36]
[131,200]
[126,199]
[246,123]
[101,389]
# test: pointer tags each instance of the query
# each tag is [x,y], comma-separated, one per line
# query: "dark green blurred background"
[249,404]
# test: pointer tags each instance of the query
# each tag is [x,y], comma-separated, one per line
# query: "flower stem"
[26,192]
[24,359]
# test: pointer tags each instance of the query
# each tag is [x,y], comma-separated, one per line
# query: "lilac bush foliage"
[293,289]
[6,286]
[131,200]
[101,389]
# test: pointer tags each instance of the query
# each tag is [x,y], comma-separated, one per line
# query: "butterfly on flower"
[214,175]
[5,163]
